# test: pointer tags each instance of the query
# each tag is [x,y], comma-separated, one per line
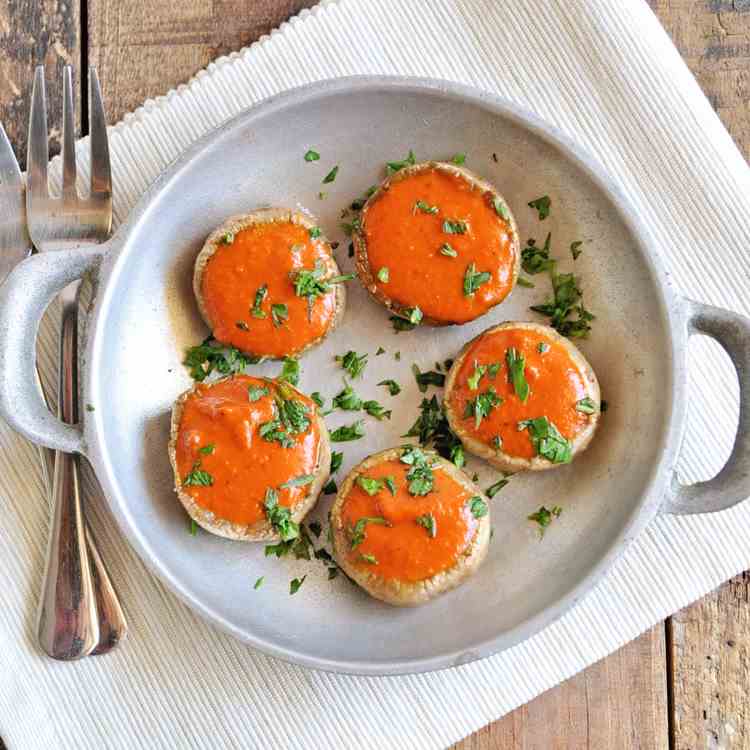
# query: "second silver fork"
[70,624]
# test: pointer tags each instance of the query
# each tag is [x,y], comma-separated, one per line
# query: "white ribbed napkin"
[605,73]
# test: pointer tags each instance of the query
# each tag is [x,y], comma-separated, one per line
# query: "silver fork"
[79,613]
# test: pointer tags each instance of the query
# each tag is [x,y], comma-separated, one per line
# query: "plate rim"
[671,310]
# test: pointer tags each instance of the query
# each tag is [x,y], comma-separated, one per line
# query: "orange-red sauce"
[404,550]
[243,464]
[407,241]
[555,382]
[266,254]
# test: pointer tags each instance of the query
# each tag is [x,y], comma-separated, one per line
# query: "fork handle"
[112,623]
[68,626]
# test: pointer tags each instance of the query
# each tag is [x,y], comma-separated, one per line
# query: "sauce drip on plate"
[405,228]
[555,386]
[404,549]
[249,294]
[219,434]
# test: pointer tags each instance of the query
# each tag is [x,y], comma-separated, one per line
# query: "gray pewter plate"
[145,317]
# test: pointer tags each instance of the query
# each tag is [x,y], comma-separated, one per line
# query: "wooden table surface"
[680,685]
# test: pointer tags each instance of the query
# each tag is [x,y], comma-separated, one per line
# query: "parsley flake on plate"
[393,387]
[331,176]
[426,379]
[395,166]
[312,155]
[542,206]
[353,363]
[543,517]
[347,433]
[478,507]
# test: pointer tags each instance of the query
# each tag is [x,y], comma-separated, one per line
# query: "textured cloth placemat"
[604,72]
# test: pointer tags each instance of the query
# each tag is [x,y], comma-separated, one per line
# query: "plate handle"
[732,484]
[24,296]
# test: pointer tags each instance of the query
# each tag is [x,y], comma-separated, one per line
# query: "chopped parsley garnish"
[525,282]
[459,159]
[259,583]
[516,373]
[207,450]
[337,458]
[481,406]
[353,363]
[542,347]
[393,387]
[260,295]
[493,489]
[566,301]
[397,356]
[426,379]
[493,369]
[311,284]
[478,507]
[374,409]
[295,584]
[536,259]
[395,166]
[542,205]
[203,359]
[227,239]
[455,226]
[346,433]
[446,249]
[279,313]
[474,279]
[425,208]
[497,442]
[473,379]
[543,517]
[279,516]
[331,176]
[314,233]
[408,320]
[347,400]
[193,528]
[331,488]
[427,521]
[301,481]
[379,351]
[349,228]
[256,392]
[198,477]
[420,476]
[500,208]
[311,155]
[290,419]
[317,398]
[575,249]
[242,325]
[290,371]
[357,533]
[431,428]
[384,275]
[370,485]
[368,558]
[585,406]
[547,440]
[391,485]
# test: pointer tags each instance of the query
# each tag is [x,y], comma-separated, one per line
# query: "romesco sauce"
[430,229]
[220,435]
[403,549]
[555,386]
[249,295]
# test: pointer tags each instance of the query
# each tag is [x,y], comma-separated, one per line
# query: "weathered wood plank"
[620,702]
[710,647]
[32,33]
[713,37]
[143,48]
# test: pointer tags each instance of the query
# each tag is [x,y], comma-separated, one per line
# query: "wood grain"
[35,33]
[710,649]
[143,48]
[618,703]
